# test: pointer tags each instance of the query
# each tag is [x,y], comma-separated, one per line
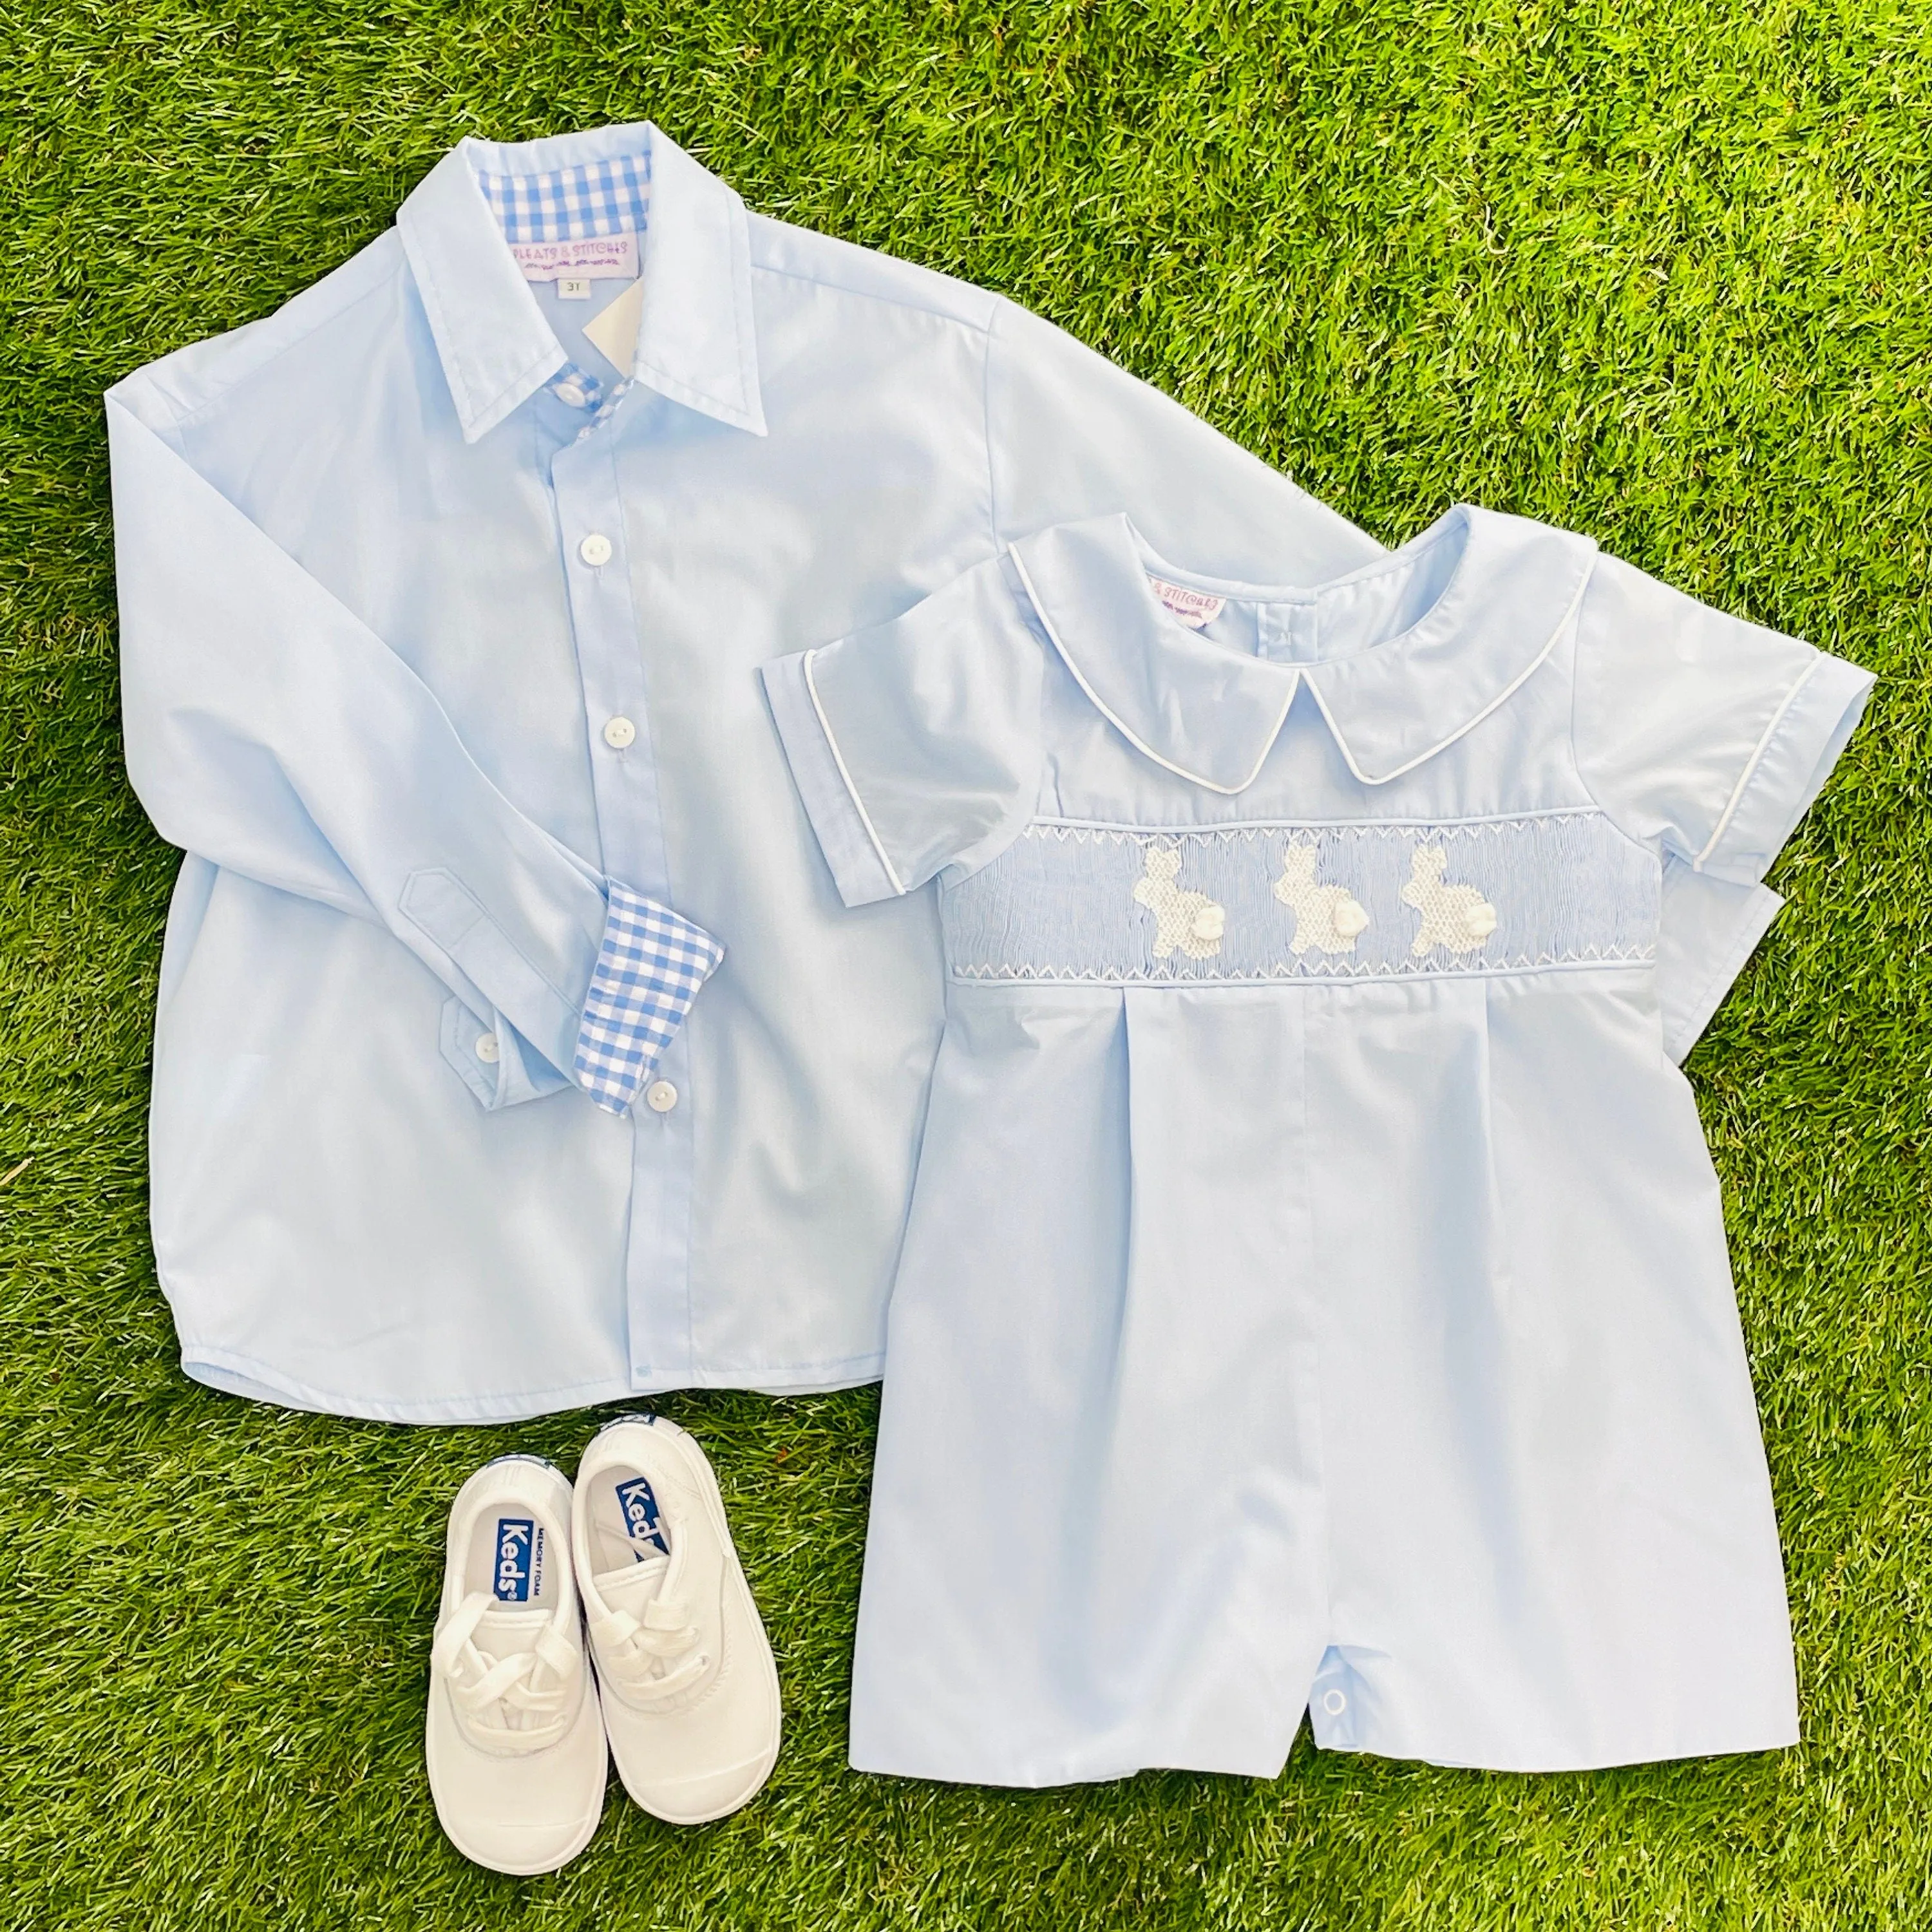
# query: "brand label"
[1191,607]
[597,258]
[519,1555]
[641,1515]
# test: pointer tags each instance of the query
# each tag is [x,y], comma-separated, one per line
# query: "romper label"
[597,258]
[1193,608]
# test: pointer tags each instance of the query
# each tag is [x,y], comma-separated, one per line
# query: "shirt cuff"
[845,835]
[1788,769]
[494,1060]
[649,969]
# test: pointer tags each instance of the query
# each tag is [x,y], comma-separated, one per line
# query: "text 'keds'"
[641,1515]
[519,1549]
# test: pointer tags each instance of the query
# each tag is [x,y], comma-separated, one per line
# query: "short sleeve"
[1700,734]
[915,745]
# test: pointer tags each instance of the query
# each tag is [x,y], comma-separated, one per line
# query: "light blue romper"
[1315,1293]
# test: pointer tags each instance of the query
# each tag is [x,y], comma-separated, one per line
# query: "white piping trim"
[1046,821]
[1502,697]
[1139,744]
[1752,762]
[851,790]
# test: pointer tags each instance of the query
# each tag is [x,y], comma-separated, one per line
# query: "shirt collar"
[1211,714]
[696,341]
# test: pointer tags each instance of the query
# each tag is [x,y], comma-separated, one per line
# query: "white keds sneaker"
[515,1738]
[690,1692]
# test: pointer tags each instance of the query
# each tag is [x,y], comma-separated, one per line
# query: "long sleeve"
[270,730]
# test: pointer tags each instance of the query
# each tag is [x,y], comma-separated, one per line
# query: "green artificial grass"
[1659,270]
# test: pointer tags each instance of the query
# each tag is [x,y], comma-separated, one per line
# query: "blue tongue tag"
[520,1554]
[640,1517]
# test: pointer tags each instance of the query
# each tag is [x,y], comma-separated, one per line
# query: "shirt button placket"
[657,1315]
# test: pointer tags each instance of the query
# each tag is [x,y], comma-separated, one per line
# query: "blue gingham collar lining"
[610,196]
[697,338]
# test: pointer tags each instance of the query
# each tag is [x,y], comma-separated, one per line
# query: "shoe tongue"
[637,1584]
[505,1633]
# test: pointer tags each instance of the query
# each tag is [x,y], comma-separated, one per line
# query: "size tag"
[598,258]
[1193,608]
[573,288]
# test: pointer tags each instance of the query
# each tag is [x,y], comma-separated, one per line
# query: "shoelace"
[635,1652]
[487,1689]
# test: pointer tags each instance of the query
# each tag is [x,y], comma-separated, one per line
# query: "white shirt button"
[660,1096]
[1334,1703]
[594,549]
[569,392]
[619,732]
[487,1048]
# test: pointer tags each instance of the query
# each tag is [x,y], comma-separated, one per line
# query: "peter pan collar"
[695,339]
[1211,715]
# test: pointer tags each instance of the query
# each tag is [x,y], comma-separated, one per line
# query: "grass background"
[1659,270]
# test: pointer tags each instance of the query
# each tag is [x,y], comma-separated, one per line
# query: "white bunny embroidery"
[1457,917]
[1189,920]
[1329,917]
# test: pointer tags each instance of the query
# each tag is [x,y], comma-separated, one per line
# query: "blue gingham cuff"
[648,972]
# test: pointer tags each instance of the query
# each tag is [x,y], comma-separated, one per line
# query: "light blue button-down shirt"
[443,592]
